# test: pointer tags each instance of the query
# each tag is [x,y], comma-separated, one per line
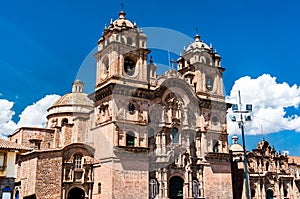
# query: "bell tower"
[205,64]
[122,54]
[121,101]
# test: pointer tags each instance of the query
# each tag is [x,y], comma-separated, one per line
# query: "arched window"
[209,83]
[122,40]
[285,193]
[130,138]
[252,193]
[267,166]
[215,146]
[99,188]
[77,161]
[202,60]
[106,63]
[64,122]
[175,135]
[129,66]
[129,41]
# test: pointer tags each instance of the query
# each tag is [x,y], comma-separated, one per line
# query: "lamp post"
[237,109]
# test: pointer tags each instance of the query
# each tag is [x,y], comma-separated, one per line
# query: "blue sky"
[43,44]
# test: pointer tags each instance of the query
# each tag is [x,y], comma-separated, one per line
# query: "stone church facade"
[271,174]
[139,134]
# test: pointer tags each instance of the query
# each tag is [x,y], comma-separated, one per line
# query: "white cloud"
[6,114]
[35,114]
[269,99]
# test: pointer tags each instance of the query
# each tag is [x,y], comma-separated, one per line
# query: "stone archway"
[76,193]
[176,187]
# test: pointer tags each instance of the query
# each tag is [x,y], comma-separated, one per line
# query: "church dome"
[122,21]
[235,147]
[71,99]
[197,44]
[120,24]
[76,101]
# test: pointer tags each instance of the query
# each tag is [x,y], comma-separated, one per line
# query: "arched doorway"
[176,188]
[76,193]
[269,194]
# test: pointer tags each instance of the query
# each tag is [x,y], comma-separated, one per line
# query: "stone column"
[190,184]
[186,184]
[257,189]
[203,144]
[158,138]
[165,180]
[163,143]
[278,190]
[119,71]
[203,82]
[159,180]
[116,136]
[201,185]
[185,121]
[263,192]
[90,192]
[63,193]
[64,174]
[198,146]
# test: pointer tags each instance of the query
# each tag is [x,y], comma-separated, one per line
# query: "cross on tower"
[172,61]
[122,5]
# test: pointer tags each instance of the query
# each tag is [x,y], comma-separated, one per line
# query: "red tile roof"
[6,144]
[294,159]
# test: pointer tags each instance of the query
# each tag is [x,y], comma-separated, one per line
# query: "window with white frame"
[153,186]
[196,192]
[78,161]
[2,161]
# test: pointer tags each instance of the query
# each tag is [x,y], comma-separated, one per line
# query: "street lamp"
[238,109]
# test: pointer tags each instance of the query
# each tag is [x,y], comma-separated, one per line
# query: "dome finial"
[151,60]
[197,37]
[77,86]
[235,139]
[122,13]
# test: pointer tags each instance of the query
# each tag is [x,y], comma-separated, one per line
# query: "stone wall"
[48,176]
[217,181]
[40,174]
[28,176]
[131,184]
[28,136]
[103,175]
